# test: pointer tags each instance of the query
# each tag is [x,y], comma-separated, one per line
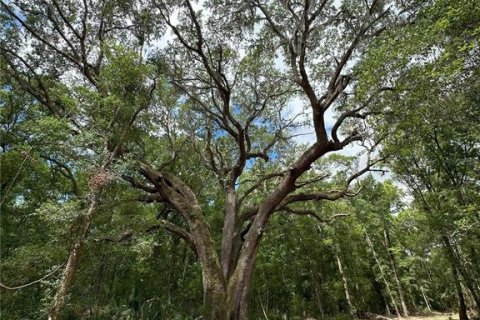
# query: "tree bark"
[226,284]
[318,295]
[468,281]
[425,298]
[382,274]
[240,280]
[178,195]
[71,267]
[388,245]
[229,232]
[351,307]
[387,308]
[462,308]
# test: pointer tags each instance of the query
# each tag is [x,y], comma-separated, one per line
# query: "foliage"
[96,92]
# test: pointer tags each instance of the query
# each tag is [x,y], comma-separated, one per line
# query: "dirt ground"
[440,316]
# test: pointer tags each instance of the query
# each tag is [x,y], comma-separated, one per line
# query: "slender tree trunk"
[398,282]
[468,281]
[72,262]
[475,261]
[425,298]
[96,184]
[426,267]
[388,246]
[467,296]
[462,308]
[382,274]
[351,307]
[318,295]
[387,308]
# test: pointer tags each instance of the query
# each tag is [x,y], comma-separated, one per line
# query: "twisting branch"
[334,81]
[331,195]
[314,214]
[71,55]
[302,184]
[355,113]
[163,224]
[66,172]
[139,185]
[257,184]
[176,230]
[3,286]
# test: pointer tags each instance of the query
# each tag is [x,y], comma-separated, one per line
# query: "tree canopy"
[224,159]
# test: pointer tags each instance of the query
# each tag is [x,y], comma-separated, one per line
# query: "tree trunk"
[229,233]
[468,281]
[462,308]
[387,308]
[240,281]
[382,274]
[72,262]
[318,294]
[425,298]
[397,280]
[226,284]
[388,246]
[214,289]
[351,307]
[475,258]
[215,304]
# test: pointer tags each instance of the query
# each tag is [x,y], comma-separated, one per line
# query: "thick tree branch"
[176,230]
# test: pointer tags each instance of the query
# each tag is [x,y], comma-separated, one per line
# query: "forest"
[240,159]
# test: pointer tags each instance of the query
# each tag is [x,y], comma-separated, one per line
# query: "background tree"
[435,121]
